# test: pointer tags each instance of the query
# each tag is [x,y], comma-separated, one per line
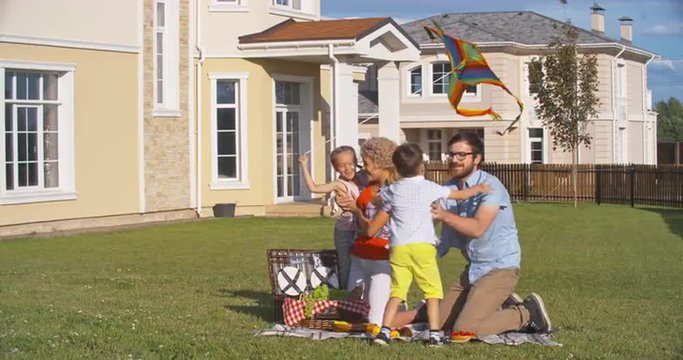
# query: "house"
[624,132]
[152,110]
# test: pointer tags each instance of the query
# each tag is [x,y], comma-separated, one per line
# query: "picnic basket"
[305,260]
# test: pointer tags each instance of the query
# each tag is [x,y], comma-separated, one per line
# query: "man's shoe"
[512,300]
[539,321]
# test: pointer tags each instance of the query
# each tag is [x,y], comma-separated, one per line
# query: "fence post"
[598,184]
[525,185]
[633,185]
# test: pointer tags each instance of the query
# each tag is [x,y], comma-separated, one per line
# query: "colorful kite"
[469,68]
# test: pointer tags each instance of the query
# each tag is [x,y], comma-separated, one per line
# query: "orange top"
[370,248]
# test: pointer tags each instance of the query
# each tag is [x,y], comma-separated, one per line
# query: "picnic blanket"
[420,333]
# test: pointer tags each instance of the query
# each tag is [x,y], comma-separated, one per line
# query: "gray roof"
[367,102]
[524,27]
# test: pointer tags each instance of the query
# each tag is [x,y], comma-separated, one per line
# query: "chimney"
[598,19]
[626,29]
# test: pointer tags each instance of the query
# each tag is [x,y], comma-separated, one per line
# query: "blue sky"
[657,25]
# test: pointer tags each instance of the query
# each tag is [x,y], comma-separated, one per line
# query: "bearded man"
[482,300]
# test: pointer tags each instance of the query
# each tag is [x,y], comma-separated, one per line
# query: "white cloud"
[665,29]
[668,64]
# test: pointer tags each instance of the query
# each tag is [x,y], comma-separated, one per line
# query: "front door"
[287,150]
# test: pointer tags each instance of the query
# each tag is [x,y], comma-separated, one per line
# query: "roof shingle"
[291,30]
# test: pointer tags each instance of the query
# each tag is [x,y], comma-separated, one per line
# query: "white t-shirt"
[408,201]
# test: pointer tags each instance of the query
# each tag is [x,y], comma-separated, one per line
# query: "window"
[36,132]
[471,90]
[292,4]
[166,60]
[536,155]
[229,6]
[440,74]
[434,145]
[416,81]
[440,80]
[229,129]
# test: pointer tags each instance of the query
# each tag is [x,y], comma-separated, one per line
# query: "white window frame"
[542,140]
[306,12]
[306,115]
[409,81]
[242,180]
[170,105]
[65,114]
[229,6]
[466,97]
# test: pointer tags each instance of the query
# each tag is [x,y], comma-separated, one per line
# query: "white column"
[345,106]
[389,98]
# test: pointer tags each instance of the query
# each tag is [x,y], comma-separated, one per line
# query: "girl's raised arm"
[310,184]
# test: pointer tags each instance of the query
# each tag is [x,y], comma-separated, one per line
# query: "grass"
[611,277]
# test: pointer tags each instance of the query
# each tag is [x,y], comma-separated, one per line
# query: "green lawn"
[611,276]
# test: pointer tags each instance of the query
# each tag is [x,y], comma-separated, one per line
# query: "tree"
[565,85]
[670,121]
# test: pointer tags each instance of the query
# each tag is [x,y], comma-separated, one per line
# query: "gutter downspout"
[645,111]
[142,205]
[614,105]
[333,106]
[199,104]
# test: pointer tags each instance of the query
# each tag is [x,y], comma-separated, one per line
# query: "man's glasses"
[460,155]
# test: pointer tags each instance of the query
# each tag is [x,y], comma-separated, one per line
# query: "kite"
[469,68]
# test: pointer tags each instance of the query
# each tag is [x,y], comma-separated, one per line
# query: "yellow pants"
[416,260]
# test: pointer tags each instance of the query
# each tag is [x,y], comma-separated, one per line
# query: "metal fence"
[659,185]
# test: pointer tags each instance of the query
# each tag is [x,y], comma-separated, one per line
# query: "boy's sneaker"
[512,300]
[434,342]
[381,339]
[539,321]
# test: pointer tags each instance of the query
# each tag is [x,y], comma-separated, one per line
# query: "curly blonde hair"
[380,150]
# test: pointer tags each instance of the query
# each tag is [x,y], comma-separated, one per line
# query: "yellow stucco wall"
[260,147]
[105,134]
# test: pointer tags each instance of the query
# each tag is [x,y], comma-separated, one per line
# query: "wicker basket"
[317,324]
[306,260]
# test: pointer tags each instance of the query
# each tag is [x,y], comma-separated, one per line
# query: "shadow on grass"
[263,307]
[673,218]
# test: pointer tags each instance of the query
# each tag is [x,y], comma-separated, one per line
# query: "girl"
[349,183]
[370,255]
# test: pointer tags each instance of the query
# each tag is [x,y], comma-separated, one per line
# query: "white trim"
[33,65]
[166,113]
[228,75]
[288,12]
[323,44]
[76,44]
[36,197]
[242,181]
[142,203]
[614,45]
[236,6]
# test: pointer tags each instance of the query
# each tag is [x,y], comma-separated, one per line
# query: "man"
[482,300]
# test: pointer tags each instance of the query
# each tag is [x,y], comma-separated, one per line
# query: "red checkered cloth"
[294,309]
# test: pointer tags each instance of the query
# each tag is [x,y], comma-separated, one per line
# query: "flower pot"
[224,210]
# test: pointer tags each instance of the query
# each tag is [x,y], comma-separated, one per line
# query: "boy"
[412,236]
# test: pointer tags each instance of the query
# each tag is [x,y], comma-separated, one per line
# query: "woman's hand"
[347,203]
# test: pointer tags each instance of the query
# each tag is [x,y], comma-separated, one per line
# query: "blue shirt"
[498,247]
